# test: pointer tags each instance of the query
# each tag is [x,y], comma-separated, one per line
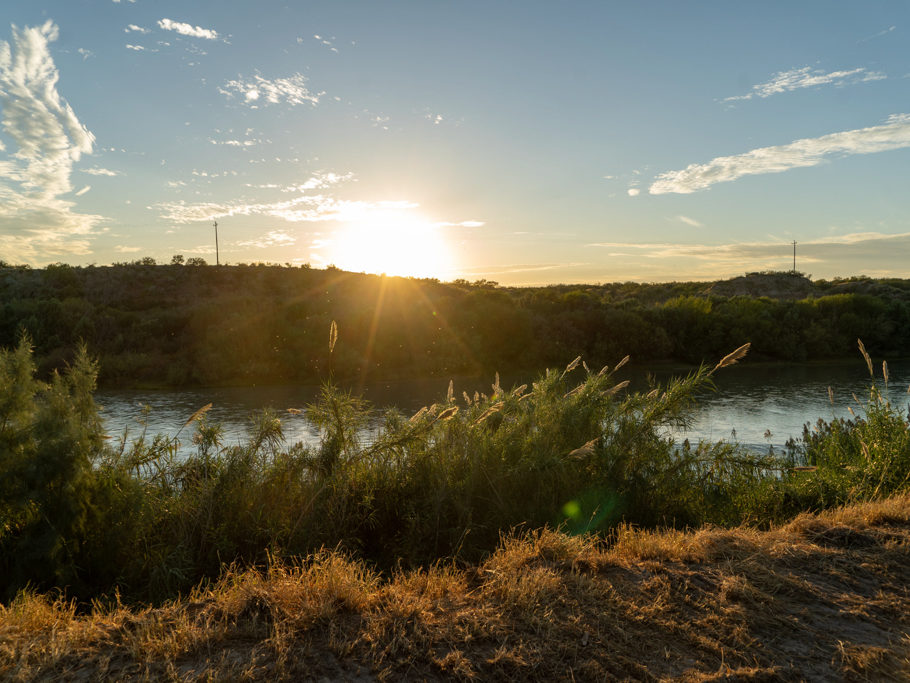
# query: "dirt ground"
[823,598]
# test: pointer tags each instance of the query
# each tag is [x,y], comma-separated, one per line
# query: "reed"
[442,484]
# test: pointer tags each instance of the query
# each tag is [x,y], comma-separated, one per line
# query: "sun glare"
[394,243]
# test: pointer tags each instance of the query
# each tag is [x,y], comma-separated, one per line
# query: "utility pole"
[218,263]
[794,256]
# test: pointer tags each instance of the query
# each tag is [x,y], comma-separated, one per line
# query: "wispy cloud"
[312,203]
[256,90]
[327,42]
[807,77]
[234,143]
[878,35]
[893,134]
[303,208]
[307,206]
[690,221]
[861,252]
[83,191]
[99,171]
[38,223]
[633,191]
[235,139]
[319,181]
[274,238]
[132,28]
[188,29]
[462,224]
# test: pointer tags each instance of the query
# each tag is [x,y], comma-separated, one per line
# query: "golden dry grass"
[824,597]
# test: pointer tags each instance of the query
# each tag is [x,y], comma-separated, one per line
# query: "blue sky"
[523,142]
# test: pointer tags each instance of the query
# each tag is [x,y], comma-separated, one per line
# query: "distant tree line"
[176,325]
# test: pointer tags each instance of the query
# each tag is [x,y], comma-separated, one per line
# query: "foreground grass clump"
[443,483]
[840,461]
[822,597]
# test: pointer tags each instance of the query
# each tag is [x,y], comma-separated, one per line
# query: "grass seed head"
[447,414]
[582,451]
[862,350]
[733,357]
[198,414]
[571,366]
[333,336]
[619,387]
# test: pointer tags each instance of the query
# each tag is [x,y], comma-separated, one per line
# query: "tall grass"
[575,450]
[843,461]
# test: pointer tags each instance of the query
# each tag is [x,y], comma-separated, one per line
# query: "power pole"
[218,263]
[794,256]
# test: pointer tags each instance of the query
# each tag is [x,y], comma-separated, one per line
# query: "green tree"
[50,434]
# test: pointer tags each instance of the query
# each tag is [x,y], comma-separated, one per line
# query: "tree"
[177,260]
[50,435]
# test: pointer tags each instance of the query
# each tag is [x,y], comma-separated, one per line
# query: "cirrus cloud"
[807,77]
[893,134]
[872,253]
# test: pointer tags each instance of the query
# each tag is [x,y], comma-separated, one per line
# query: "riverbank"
[823,597]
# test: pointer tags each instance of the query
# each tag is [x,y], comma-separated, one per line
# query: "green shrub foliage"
[244,324]
[575,449]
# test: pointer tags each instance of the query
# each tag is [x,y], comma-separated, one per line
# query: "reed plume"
[333,336]
[586,449]
[495,408]
[447,414]
[571,366]
[198,414]
[733,357]
[618,387]
[862,350]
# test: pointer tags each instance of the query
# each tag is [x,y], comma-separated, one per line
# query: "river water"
[757,405]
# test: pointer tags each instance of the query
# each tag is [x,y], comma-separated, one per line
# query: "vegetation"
[445,561]
[823,597]
[184,324]
[575,450]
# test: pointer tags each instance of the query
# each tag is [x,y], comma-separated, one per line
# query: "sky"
[521,142]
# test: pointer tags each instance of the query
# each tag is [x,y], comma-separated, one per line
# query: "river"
[757,405]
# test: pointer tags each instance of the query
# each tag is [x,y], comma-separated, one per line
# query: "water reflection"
[756,405]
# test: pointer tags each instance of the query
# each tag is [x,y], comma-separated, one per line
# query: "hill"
[184,325]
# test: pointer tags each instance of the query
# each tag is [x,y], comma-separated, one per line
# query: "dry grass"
[824,597]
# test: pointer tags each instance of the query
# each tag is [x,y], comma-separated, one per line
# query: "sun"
[393,242]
